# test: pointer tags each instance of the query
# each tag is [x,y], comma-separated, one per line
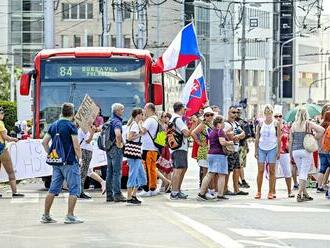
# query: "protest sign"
[29,159]
[87,113]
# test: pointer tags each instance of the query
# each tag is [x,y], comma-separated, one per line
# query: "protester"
[234,163]
[149,151]
[216,109]
[200,136]
[164,163]
[137,175]
[85,138]
[324,156]
[115,155]
[243,146]
[303,158]
[69,170]
[267,149]
[325,177]
[284,161]
[180,155]
[99,120]
[217,161]
[5,159]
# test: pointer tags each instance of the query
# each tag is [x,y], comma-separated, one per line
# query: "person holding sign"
[5,156]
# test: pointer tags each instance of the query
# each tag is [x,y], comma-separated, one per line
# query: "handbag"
[310,143]
[228,149]
[132,149]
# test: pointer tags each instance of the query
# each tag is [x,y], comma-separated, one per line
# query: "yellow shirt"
[2,128]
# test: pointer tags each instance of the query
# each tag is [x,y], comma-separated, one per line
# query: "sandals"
[258,195]
[290,195]
[270,196]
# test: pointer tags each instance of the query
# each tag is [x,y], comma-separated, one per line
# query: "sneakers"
[320,190]
[174,196]
[241,193]
[47,219]
[222,198]
[144,193]
[210,196]
[182,195]
[228,192]
[296,187]
[120,198]
[307,197]
[133,201]
[201,197]
[110,199]
[17,195]
[71,219]
[84,196]
[154,192]
[244,184]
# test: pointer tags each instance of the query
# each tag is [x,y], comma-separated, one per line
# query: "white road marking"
[273,208]
[261,244]
[279,235]
[218,237]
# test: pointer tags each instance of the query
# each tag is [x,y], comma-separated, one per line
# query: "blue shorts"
[267,156]
[69,173]
[325,162]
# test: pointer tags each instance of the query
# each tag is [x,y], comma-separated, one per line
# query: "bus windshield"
[105,80]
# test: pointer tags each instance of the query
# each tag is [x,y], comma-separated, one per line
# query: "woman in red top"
[284,160]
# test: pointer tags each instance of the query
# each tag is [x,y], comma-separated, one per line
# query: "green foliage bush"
[10,109]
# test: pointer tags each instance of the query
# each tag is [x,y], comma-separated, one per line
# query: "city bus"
[106,74]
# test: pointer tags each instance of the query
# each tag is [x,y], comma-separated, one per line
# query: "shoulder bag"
[310,143]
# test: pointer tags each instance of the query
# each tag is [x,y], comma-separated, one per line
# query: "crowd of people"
[220,147]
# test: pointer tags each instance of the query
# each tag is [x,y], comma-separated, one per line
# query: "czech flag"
[182,51]
[194,94]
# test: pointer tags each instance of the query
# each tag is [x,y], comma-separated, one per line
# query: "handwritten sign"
[29,159]
[87,113]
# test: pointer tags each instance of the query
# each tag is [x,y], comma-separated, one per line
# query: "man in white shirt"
[150,152]
[180,155]
[234,164]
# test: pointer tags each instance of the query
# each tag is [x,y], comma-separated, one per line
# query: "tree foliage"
[5,80]
[10,110]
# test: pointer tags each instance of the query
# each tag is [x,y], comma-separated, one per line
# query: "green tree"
[5,80]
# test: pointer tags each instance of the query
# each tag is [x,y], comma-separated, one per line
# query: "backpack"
[160,137]
[174,139]
[325,145]
[104,141]
[56,153]
[247,129]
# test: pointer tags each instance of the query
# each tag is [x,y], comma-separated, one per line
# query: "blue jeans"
[115,159]
[69,173]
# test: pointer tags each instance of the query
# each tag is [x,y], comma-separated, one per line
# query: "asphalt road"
[239,222]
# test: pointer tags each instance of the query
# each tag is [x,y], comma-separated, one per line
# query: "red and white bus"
[107,75]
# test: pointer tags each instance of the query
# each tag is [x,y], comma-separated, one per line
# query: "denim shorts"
[69,173]
[267,156]
[325,162]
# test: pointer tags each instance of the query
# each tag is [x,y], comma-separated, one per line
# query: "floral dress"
[203,137]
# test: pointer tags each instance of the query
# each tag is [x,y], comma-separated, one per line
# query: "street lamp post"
[280,86]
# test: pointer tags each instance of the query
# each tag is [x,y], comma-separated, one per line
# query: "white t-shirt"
[151,125]
[82,136]
[236,129]
[134,127]
[180,126]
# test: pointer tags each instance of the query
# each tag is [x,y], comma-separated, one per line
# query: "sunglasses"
[235,112]
[278,116]
[209,115]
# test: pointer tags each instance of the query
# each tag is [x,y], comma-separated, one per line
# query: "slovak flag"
[194,94]
[182,51]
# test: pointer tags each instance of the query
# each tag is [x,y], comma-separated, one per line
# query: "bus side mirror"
[24,88]
[158,94]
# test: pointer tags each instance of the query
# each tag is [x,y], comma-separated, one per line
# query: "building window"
[89,40]
[127,13]
[64,41]
[113,41]
[76,41]
[127,42]
[75,11]
[32,5]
